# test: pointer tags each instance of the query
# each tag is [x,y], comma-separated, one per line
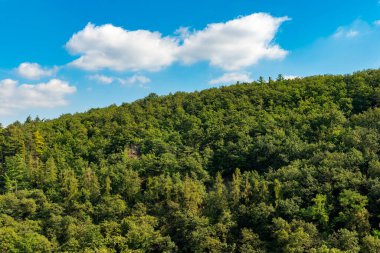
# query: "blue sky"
[69,56]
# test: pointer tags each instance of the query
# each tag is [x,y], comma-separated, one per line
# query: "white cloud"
[232,77]
[235,44]
[15,97]
[138,79]
[135,79]
[183,32]
[352,33]
[358,28]
[102,79]
[114,48]
[31,70]
[342,32]
[291,77]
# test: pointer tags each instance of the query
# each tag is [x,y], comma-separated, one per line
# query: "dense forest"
[269,166]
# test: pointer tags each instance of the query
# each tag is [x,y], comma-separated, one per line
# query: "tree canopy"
[280,166]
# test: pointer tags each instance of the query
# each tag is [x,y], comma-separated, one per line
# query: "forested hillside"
[278,166]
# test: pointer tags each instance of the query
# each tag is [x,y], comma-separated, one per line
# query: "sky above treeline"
[69,56]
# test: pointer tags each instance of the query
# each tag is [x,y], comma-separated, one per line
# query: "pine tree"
[15,176]
[39,143]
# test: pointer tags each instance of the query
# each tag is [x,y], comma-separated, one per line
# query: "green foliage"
[319,211]
[277,166]
[354,214]
[345,240]
[250,242]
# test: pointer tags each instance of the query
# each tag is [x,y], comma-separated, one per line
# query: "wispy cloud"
[344,33]
[355,29]
[136,79]
[102,79]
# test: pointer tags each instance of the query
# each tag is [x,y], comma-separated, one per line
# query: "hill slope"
[284,166]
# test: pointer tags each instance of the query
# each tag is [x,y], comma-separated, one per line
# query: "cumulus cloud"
[232,45]
[14,96]
[235,44]
[118,49]
[32,70]
[183,33]
[232,77]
